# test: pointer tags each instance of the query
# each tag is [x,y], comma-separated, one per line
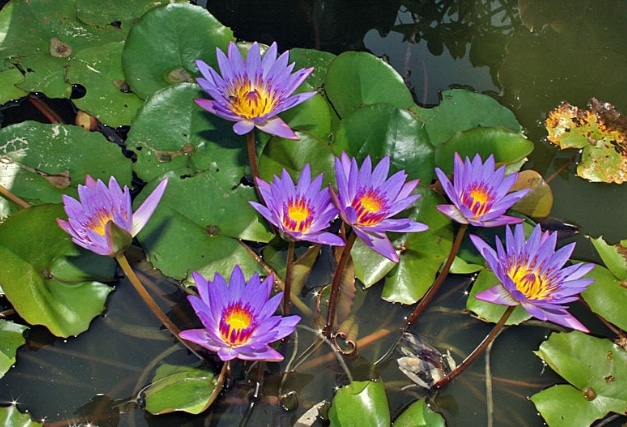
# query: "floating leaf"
[12,417]
[48,279]
[614,256]
[165,44]
[421,253]
[601,131]
[120,14]
[538,202]
[355,79]
[361,403]
[418,414]
[462,110]
[99,70]
[42,37]
[506,146]
[32,153]
[11,337]
[320,60]
[182,388]
[607,296]
[597,372]
[385,130]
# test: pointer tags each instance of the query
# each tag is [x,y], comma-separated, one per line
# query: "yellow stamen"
[251,100]
[531,283]
[99,221]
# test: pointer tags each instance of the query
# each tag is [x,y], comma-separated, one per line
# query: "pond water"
[529,55]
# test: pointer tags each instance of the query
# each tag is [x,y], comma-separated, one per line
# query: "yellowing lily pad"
[600,131]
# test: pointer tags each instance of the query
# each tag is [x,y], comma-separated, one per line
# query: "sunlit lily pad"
[108,98]
[506,146]
[121,14]
[320,60]
[383,129]
[181,388]
[607,296]
[11,337]
[360,403]
[597,371]
[355,79]
[40,162]
[538,202]
[614,256]
[418,414]
[11,417]
[462,110]
[47,278]
[162,47]
[42,37]
[601,131]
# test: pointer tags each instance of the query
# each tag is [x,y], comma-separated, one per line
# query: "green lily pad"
[361,403]
[421,255]
[42,38]
[613,256]
[123,13]
[47,278]
[181,388]
[41,162]
[280,153]
[506,146]
[538,202]
[488,311]
[162,47]
[198,224]
[355,79]
[418,414]
[607,296]
[11,337]
[462,110]
[597,372]
[108,97]
[9,79]
[383,129]
[320,60]
[12,417]
[600,131]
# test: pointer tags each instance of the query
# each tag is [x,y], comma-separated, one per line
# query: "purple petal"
[144,212]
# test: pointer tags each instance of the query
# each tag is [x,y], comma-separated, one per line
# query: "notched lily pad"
[11,337]
[601,131]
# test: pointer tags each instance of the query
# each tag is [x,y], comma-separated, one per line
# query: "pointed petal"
[144,212]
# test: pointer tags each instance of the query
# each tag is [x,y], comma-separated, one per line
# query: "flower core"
[478,199]
[237,324]
[298,215]
[531,283]
[370,206]
[250,100]
[99,221]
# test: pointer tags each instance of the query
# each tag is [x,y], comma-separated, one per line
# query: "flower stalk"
[496,330]
[335,284]
[289,269]
[433,290]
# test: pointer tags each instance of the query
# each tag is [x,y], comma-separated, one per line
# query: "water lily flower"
[299,212]
[532,274]
[479,193]
[238,317]
[367,200]
[252,92]
[102,220]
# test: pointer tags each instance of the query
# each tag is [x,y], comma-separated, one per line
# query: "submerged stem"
[335,285]
[12,197]
[477,351]
[288,278]
[424,302]
[150,302]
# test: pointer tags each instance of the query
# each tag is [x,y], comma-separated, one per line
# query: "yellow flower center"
[251,99]
[98,222]
[531,283]
[236,325]
[371,207]
[478,199]
[298,215]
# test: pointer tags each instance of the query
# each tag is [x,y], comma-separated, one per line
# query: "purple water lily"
[479,193]
[367,200]
[299,212]
[102,220]
[238,317]
[532,274]
[252,92]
